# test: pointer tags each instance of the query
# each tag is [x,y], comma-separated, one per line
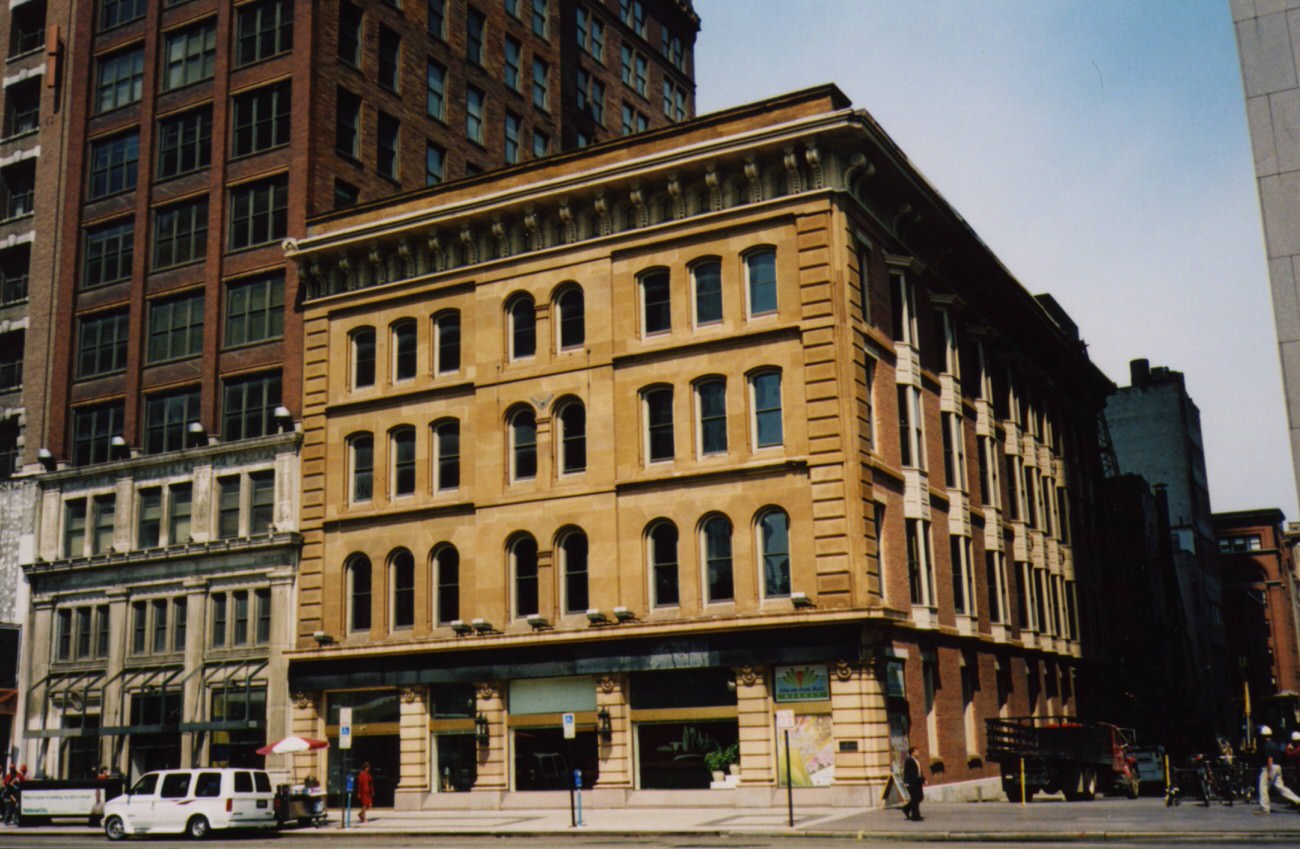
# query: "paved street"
[1112,822]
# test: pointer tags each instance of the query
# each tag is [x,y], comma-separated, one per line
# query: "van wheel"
[114,828]
[198,828]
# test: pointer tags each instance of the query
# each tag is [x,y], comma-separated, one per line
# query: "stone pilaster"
[39,639]
[413,784]
[279,722]
[859,716]
[616,754]
[111,705]
[754,716]
[308,720]
[195,701]
[490,703]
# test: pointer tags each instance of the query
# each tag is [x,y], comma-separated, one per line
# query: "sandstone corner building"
[677,434]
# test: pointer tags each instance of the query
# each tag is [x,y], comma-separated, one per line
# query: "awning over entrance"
[594,657]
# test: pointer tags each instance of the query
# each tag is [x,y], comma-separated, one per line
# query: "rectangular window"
[101,343]
[176,327]
[149,530]
[263,613]
[261,119]
[180,498]
[347,124]
[22,107]
[263,30]
[541,144]
[539,18]
[113,165]
[350,23]
[92,431]
[591,96]
[159,625]
[115,13]
[390,59]
[180,233]
[513,55]
[632,13]
[512,138]
[591,34]
[674,102]
[659,424]
[474,24]
[105,514]
[255,309]
[387,132]
[541,87]
[229,493]
[190,55]
[656,304]
[74,527]
[239,635]
[108,254]
[474,114]
[85,630]
[119,79]
[711,395]
[920,578]
[63,636]
[248,408]
[436,91]
[139,626]
[15,265]
[219,619]
[184,143]
[259,212]
[438,18]
[261,502]
[345,194]
[101,630]
[180,621]
[433,164]
[166,418]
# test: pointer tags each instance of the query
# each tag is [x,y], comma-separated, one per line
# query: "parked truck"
[1062,754]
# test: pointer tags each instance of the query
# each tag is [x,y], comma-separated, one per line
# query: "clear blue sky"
[1099,148]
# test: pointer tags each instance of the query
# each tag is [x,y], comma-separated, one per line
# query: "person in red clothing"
[365,789]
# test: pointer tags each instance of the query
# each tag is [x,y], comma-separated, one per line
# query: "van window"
[263,782]
[208,784]
[175,785]
[243,782]
[146,785]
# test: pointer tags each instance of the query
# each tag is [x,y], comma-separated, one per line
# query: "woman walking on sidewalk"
[365,789]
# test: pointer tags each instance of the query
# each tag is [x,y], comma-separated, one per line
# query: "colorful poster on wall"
[812,752]
[805,683]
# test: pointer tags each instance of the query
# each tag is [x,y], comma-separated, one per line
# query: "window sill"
[239,346]
[16,57]
[259,60]
[239,157]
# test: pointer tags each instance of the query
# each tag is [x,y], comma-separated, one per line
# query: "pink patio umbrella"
[293,744]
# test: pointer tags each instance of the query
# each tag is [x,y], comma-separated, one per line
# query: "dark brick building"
[199,135]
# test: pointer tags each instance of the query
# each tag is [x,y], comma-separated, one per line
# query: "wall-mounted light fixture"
[595,616]
[604,728]
[283,419]
[538,621]
[482,731]
[801,600]
[322,638]
[461,627]
[46,458]
[622,614]
[197,435]
[118,447]
[482,626]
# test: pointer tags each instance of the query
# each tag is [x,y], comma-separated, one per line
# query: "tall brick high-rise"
[193,138]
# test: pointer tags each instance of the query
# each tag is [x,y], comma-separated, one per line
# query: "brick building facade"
[199,136]
[676,435]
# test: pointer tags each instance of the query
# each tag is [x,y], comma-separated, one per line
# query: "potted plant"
[720,759]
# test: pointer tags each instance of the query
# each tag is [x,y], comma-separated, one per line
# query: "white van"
[193,802]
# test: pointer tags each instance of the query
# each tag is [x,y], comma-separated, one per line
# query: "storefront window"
[237,746]
[671,750]
[375,738]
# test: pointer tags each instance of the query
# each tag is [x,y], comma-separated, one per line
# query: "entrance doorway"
[544,760]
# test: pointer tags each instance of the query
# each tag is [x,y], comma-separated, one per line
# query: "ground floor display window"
[544,760]
[672,754]
[238,747]
[161,750]
[81,754]
[376,740]
[455,762]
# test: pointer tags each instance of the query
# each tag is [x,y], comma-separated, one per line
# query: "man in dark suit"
[914,782]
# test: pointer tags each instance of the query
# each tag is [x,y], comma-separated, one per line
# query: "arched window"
[358,589]
[765,399]
[662,540]
[760,274]
[404,349]
[523,445]
[572,417]
[572,310]
[573,557]
[361,458]
[523,565]
[446,576]
[446,455]
[446,342]
[774,549]
[711,406]
[401,582]
[523,327]
[658,410]
[363,357]
[402,447]
[716,545]
[656,302]
[706,278]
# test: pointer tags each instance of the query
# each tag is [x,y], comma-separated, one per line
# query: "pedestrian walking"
[1270,773]
[9,794]
[914,782]
[365,789]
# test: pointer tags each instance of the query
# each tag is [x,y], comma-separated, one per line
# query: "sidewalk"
[1042,821]
[1055,820]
